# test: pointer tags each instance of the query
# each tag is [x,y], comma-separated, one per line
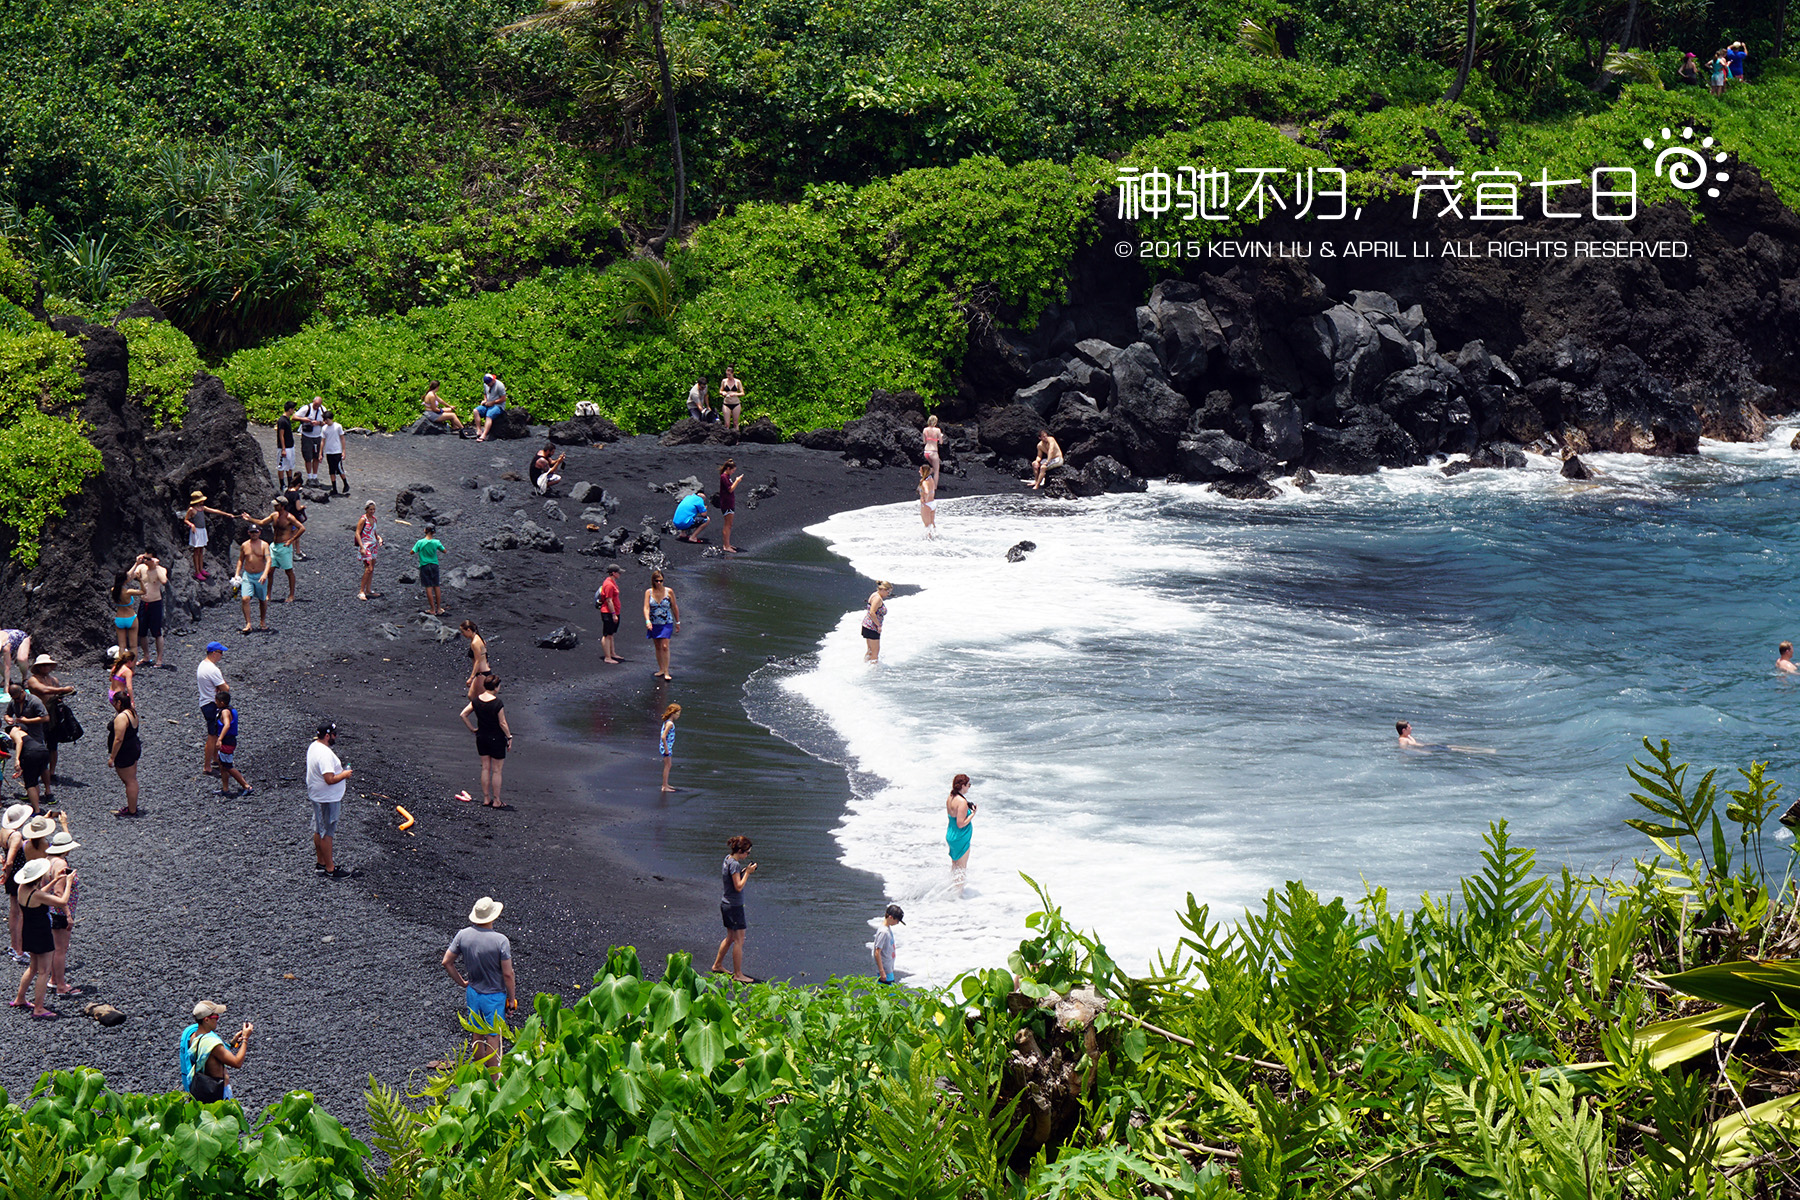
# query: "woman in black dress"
[123,750]
[36,895]
[492,737]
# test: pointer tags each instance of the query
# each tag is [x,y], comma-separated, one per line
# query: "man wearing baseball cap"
[493,403]
[208,679]
[883,945]
[204,1054]
[325,779]
[487,973]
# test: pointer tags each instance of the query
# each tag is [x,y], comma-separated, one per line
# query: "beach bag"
[207,1089]
[68,727]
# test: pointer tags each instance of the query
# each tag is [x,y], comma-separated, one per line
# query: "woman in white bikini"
[928,501]
[933,435]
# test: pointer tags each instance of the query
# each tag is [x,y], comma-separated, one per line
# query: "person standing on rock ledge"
[326,776]
[253,566]
[208,679]
[487,977]
[731,399]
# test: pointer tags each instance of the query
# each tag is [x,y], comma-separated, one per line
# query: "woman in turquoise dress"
[961,830]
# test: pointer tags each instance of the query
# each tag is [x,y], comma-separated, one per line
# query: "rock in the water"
[1215,454]
[1114,476]
[1574,468]
[1305,480]
[560,638]
[1452,469]
[1246,487]
[1020,550]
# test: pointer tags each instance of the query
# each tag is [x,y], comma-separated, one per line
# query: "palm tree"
[1468,61]
[609,31]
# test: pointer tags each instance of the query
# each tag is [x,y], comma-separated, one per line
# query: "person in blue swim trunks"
[486,977]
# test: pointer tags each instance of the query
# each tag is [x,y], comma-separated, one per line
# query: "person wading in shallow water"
[734,873]
[1784,659]
[872,619]
[928,501]
[961,831]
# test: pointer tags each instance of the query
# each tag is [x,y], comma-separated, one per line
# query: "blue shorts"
[428,575]
[251,587]
[124,622]
[483,411]
[485,1006]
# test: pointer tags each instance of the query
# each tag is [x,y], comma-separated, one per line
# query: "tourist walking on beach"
[478,657]
[208,679]
[611,607]
[734,873]
[662,620]
[228,744]
[284,447]
[334,452]
[312,437]
[50,690]
[883,945]
[934,439]
[731,399]
[205,1056]
[63,878]
[195,520]
[493,403]
[493,737]
[36,895]
[928,501]
[960,831]
[727,500]
[437,412]
[690,518]
[123,749]
[544,468]
[368,544]
[873,616]
[125,597]
[486,977]
[284,534]
[665,745]
[15,646]
[426,550]
[153,577]
[13,856]
[1049,457]
[254,563]
[28,715]
[326,776]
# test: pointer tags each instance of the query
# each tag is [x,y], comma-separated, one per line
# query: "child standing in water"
[666,744]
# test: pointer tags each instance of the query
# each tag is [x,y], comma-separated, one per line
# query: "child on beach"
[195,520]
[426,550]
[883,946]
[228,737]
[666,744]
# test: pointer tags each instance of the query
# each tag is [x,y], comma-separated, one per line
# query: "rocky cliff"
[134,504]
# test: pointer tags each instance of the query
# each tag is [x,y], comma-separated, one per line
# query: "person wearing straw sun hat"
[36,894]
[487,973]
[62,916]
[195,520]
[12,839]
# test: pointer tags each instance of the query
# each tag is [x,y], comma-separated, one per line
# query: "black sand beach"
[212,898]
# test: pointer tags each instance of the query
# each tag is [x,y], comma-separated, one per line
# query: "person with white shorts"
[1049,457]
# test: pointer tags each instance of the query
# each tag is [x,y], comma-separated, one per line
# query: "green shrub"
[44,460]
[16,283]
[162,366]
[39,367]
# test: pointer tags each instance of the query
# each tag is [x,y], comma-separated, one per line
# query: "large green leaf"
[1733,1132]
[1742,984]
[705,1045]
[1671,1042]
[563,1128]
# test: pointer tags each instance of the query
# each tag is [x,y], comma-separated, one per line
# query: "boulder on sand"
[512,425]
[560,638]
[584,431]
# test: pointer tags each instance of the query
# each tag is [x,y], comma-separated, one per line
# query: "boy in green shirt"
[427,550]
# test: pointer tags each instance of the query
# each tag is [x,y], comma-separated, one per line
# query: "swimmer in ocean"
[1784,659]
[1409,742]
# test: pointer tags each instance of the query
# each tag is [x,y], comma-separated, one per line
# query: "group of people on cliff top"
[1723,69]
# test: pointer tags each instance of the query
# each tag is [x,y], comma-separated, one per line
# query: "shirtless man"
[253,566]
[1049,457]
[1784,659]
[285,529]
[152,576]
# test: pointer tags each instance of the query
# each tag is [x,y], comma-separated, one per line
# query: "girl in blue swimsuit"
[125,597]
[961,830]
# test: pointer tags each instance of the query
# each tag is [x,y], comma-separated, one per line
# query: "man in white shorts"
[1049,457]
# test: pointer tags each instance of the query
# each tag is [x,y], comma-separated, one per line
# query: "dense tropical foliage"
[1530,1035]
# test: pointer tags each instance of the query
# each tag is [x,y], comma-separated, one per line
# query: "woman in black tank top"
[124,750]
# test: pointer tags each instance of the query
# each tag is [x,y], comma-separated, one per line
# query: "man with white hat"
[487,972]
[205,1054]
[12,857]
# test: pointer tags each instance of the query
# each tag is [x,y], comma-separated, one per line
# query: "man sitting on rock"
[690,518]
[1049,457]
[493,403]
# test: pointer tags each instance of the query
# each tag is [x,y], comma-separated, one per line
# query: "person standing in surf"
[933,453]
[961,830]
[872,619]
[928,501]
[734,873]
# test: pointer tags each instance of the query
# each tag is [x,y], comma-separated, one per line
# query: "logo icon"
[1689,167]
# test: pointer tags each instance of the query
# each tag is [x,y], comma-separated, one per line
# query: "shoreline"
[210,898]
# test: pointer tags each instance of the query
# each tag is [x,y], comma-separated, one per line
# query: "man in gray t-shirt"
[487,973]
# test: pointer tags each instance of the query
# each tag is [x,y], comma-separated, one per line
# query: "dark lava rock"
[505,539]
[585,431]
[554,511]
[583,492]
[689,432]
[821,439]
[472,483]
[1275,428]
[1452,470]
[883,437]
[1213,454]
[1305,480]
[478,571]
[1043,395]
[1114,476]
[420,489]
[1574,468]
[538,538]
[1011,429]
[425,427]
[106,1014]
[761,432]
[495,494]
[512,425]
[403,502]
[1020,550]
[763,491]
[560,638]
[1246,487]
[598,550]
[907,406]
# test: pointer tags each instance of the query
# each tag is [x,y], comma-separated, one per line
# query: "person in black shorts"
[285,470]
[312,438]
[492,737]
[734,873]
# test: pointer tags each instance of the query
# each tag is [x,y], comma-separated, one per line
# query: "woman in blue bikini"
[125,597]
[961,830]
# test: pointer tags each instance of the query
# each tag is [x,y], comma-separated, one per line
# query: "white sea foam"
[1179,693]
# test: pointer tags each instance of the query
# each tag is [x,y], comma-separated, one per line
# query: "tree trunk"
[677,214]
[1468,62]
[1780,26]
[1606,76]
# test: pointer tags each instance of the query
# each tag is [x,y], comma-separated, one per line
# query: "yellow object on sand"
[406,824]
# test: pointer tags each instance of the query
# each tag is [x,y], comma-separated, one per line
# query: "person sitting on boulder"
[699,405]
[690,518]
[1049,457]
[437,412]
[544,468]
[493,403]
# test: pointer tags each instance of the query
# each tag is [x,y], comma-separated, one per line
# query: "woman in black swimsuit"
[478,662]
[36,895]
[492,737]
[124,750]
